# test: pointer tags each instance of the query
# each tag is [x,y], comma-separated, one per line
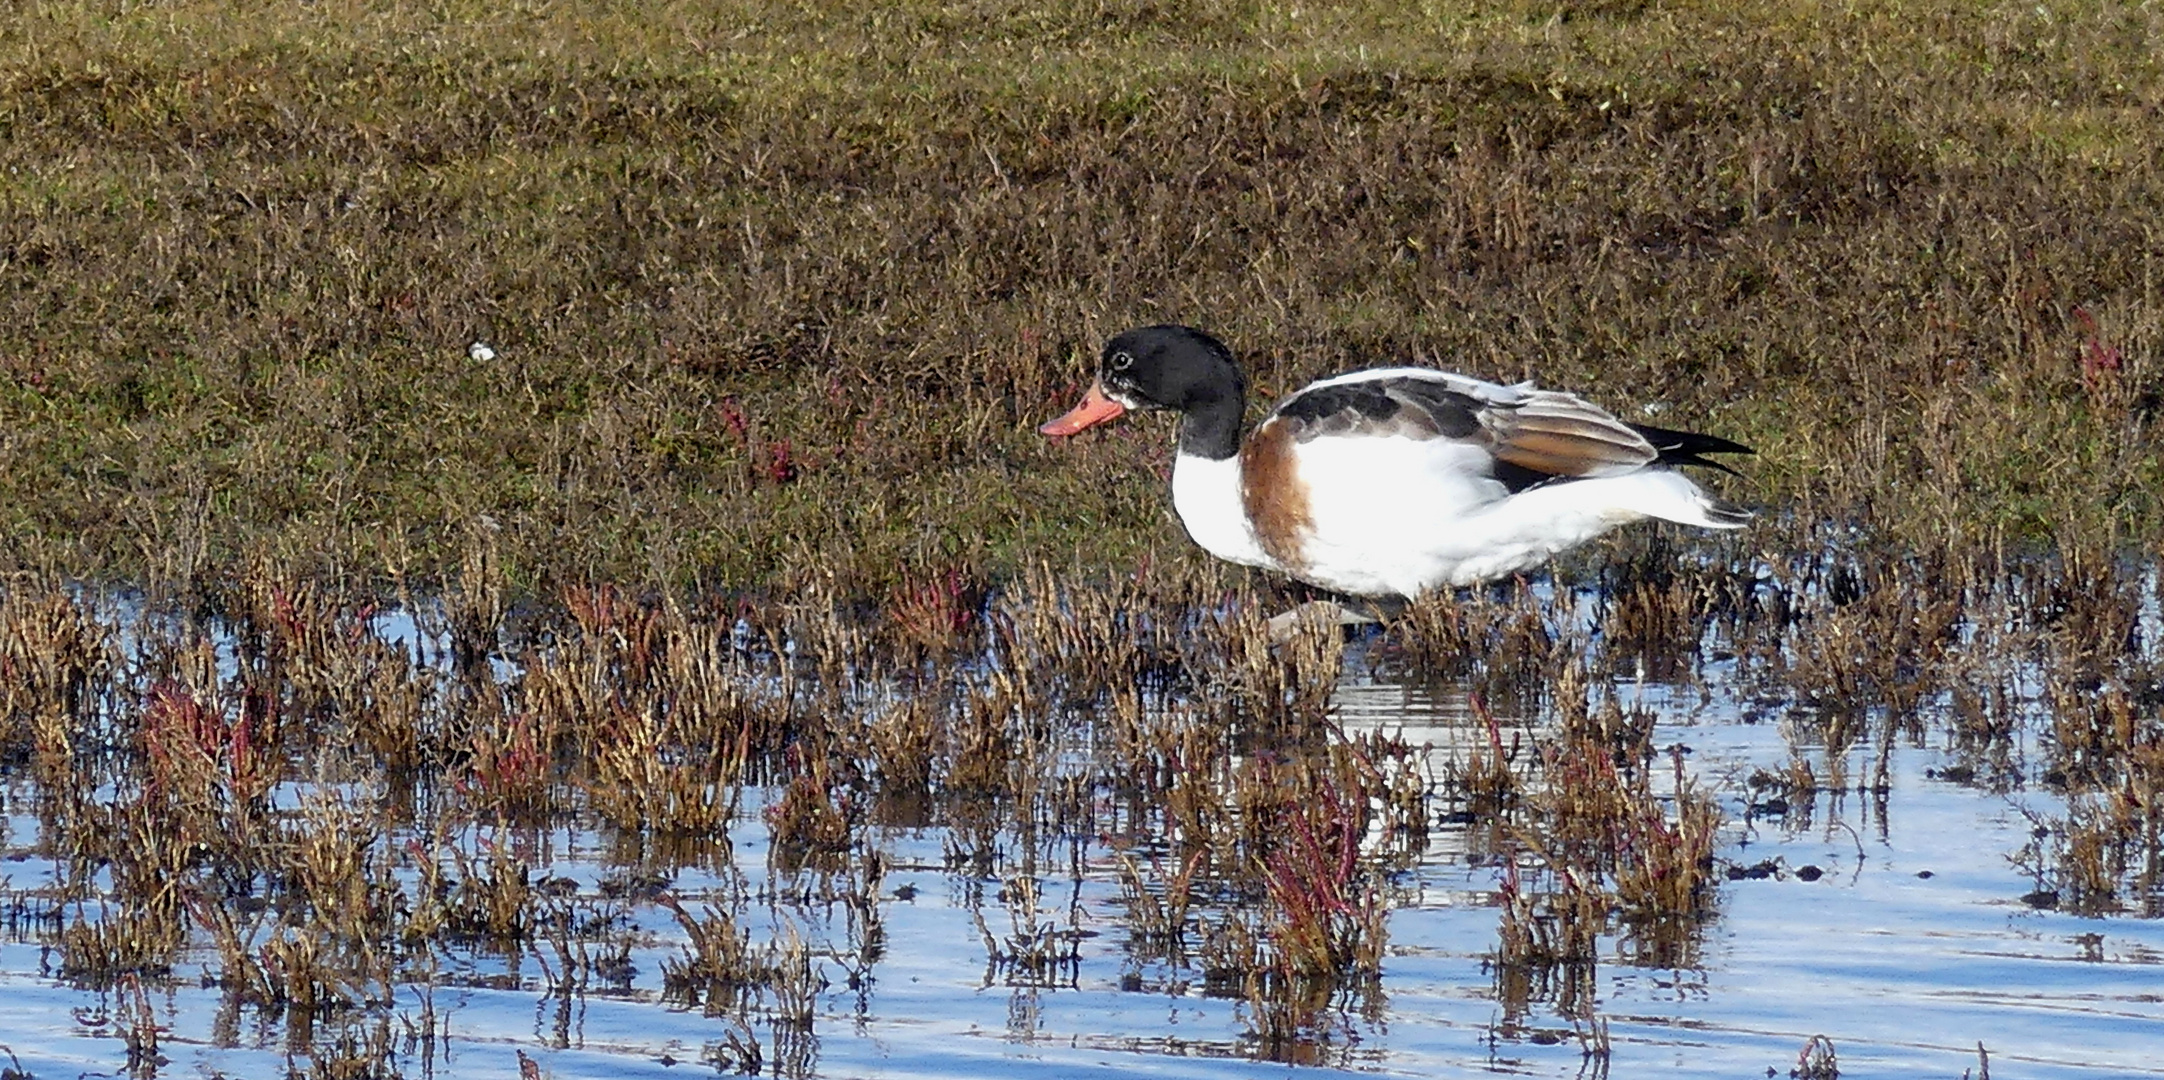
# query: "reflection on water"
[1880,905]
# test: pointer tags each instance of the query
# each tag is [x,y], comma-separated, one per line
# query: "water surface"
[1891,922]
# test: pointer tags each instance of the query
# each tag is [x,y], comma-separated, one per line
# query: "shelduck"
[1393,481]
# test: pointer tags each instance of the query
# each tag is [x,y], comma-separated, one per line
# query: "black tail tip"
[1688,447]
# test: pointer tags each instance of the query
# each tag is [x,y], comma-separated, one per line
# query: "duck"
[1391,482]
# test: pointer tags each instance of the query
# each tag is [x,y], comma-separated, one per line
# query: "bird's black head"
[1167,367]
[1170,367]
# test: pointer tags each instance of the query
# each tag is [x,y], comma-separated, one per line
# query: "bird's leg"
[1282,624]
[1374,609]
[1327,612]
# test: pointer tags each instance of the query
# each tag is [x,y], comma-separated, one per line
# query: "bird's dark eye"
[1121,361]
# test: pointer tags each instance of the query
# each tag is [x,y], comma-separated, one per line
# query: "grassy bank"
[778,291]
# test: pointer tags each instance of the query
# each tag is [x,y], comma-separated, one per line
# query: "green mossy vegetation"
[778,291]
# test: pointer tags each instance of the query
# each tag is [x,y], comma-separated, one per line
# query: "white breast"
[1207,496]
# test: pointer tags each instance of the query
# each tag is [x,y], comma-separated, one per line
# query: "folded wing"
[1532,436]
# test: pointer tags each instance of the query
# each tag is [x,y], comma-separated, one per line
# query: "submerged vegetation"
[670,371]
[325,808]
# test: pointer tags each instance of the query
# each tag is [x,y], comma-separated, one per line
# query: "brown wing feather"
[1561,435]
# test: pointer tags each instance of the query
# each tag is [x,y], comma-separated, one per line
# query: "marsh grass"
[1259,838]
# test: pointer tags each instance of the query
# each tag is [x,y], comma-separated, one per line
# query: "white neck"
[1206,494]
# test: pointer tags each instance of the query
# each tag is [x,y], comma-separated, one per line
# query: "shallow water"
[1910,948]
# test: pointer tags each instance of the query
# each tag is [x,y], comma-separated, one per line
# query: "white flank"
[1398,515]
